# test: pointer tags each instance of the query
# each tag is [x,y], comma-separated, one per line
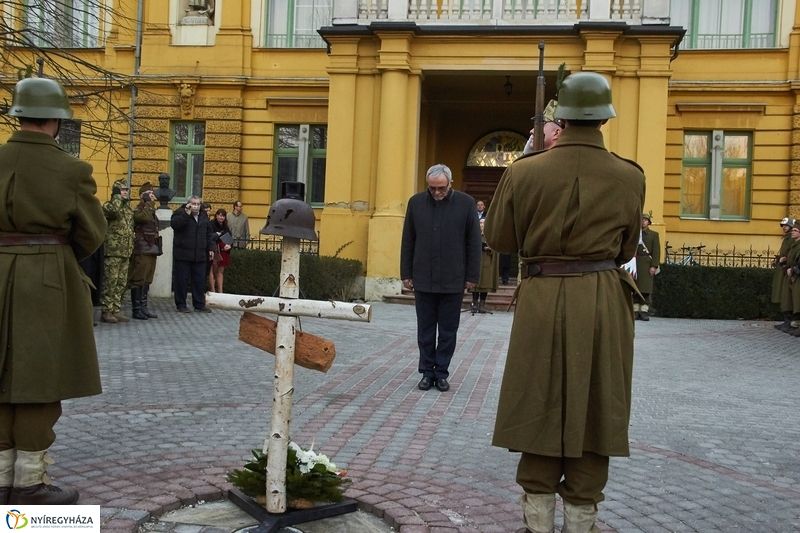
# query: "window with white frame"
[294,23]
[187,151]
[726,24]
[300,155]
[63,23]
[717,170]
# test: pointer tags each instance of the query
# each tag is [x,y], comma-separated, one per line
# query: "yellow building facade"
[358,97]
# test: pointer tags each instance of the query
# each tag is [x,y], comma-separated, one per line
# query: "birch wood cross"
[288,307]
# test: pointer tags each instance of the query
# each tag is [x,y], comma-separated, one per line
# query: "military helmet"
[291,217]
[649,216]
[40,98]
[787,221]
[585,96]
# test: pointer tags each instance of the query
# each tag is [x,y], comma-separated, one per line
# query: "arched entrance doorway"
[486,161]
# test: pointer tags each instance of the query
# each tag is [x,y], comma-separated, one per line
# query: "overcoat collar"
[581,135]
[36,137]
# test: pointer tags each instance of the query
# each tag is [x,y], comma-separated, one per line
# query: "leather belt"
[17,239]
[565,268]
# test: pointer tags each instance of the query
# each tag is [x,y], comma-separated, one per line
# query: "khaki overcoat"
[567,382]
[490,271]
[647,255]
[779,278]
[47,349]
[790,300]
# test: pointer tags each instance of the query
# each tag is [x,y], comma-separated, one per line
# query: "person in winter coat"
[648,254]
[146,248]
[191,251]
[780,281]
[574,214]
[439,257]
[490,271]
[223,241]
[117,252]
[49,221]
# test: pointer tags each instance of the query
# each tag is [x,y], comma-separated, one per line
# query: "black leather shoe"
[425,383]
[43,495]
[203,310]
[442,385]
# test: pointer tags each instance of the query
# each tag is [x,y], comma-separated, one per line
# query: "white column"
[162,280]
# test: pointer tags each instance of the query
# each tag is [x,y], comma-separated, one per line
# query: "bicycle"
[690,257]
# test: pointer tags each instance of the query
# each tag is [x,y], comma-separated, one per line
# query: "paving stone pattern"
[714,431]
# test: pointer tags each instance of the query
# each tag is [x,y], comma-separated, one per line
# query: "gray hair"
[439,169]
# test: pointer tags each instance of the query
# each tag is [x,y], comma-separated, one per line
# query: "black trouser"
[442,311]
[28,426]
[505,267]
[190,274]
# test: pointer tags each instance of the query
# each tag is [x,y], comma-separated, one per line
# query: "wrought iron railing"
[272,243]
[702,255]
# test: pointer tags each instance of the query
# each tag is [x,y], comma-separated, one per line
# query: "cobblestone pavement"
[715,433]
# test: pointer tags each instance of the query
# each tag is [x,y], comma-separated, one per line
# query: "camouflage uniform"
[118,250]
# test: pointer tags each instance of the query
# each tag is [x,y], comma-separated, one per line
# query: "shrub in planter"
[713,292]
[256,272]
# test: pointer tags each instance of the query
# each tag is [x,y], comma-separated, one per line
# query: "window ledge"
[721,107]
[296,101]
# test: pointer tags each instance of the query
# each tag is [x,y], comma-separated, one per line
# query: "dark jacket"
[47,350]
[441,248]
[193,240]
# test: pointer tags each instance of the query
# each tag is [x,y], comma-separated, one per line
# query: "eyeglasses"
[443,188]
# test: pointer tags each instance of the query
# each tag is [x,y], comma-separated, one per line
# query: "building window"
[717,169]
[63,23]
[300,154]
[294,23]
[741,24]
[69,137]
[187,148]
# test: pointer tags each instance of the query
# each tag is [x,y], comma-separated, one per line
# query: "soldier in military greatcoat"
[574,214]
[648,254]
[50,219]
[145,251]
[780,281]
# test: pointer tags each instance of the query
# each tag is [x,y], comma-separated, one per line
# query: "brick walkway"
[715,433]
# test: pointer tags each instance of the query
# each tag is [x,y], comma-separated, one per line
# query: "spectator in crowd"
[117,252]
[439,257]
[192,251]
[780,280]
[240,228]
[648,254]
[223,241]
[487,282]
[146,248]
[790,300]
[574,214]
[480,209]
[50,219]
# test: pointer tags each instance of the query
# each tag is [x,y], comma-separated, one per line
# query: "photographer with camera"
[192,249]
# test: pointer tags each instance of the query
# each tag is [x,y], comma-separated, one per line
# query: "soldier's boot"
[120,316]
[636,313]
[32,484]
[108,316]
[644,312]
[539,512]
[482,304]
[786,324]
[795,332]
[145,290]
[137,303]
[794,325]
[580,518]
[7,458]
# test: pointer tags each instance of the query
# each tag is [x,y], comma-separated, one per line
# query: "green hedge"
[256,272]
[714,292]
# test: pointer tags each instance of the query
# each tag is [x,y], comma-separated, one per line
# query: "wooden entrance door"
[481,182]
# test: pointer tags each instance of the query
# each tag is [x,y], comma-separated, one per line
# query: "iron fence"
[702,255]
[272,243]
